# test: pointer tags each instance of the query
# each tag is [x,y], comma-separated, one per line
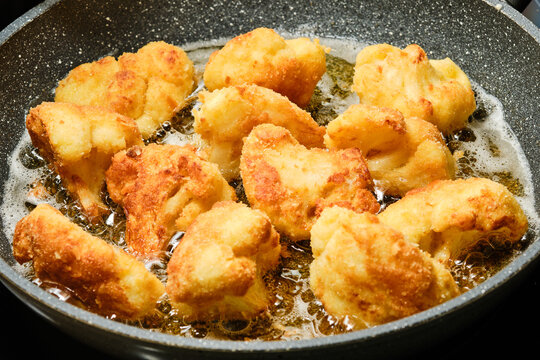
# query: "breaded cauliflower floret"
[105,278]
[149,86]
[437,91]
[79,143]
[162,189]
[292,184]
[367,271]
[262,57]
[228,115]
[216,270]
[402,153]
[447,218]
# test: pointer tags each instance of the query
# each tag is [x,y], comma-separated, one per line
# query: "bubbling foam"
[17,188]
[496,150]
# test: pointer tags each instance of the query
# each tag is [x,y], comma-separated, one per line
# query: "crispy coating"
[262,57]
[79,143]
[216,270]
[292,184]
[402,153]
[437,91]
[367,271]
[162,189]
[447,218]
[149,86]
[227,116]
[105,278]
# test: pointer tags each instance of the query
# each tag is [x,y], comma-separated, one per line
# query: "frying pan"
[494,45]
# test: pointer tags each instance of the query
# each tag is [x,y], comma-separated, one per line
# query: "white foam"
[510,157]
[15,192]
[200,51]
[346,49]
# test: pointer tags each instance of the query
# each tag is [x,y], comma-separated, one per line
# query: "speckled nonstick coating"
[496,46]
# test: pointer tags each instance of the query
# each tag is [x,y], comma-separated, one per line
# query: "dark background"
[12,9]
[510,329]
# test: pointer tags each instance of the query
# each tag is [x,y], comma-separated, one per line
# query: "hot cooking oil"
[295,313]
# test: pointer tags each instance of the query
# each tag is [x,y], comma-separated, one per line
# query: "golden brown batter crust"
[78,143]
[368,272]
[227,115]
[402,153]
[104,278]
[149,86]
[162,189]
[216,270]
[292,184]
[437,91]
[262,57]
[448,217]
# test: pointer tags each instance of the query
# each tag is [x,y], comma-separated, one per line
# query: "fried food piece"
[149,86]
[79,143]
[447,218]
[292,184]
[402,153]
[162,189]
[216,270]
[228,115]
[367,271]
[105,278]
[437,91]
[262,57]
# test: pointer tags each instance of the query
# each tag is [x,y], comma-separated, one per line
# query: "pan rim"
[10,276]
[13,279]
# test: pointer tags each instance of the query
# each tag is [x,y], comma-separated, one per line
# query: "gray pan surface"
[494,45]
